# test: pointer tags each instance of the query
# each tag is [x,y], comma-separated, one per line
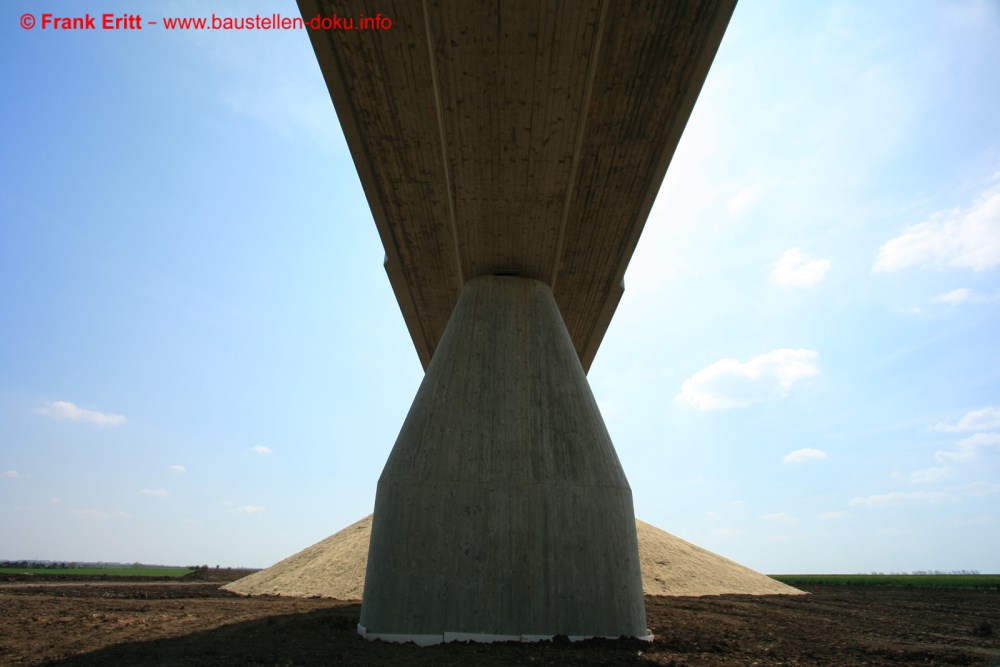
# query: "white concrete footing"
[503,512]
[478,637]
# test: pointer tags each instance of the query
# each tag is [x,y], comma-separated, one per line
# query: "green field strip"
[975,581]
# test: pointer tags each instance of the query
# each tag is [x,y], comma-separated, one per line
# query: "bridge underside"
[523,138]
[510,153]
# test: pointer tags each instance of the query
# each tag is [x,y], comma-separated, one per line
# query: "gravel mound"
[335,568]
[331,568]
[672,566]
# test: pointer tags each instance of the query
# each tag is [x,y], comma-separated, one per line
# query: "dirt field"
[194,623]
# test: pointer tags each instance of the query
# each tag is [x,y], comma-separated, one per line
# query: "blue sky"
[201,359]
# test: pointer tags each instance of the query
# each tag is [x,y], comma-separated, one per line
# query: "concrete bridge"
[510,152]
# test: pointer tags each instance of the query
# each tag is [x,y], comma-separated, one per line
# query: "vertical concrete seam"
[581,131]
[436,85]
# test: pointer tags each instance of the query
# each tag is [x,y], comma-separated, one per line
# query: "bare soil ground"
[195,623]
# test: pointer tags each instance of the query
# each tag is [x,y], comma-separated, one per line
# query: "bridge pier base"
[503,512]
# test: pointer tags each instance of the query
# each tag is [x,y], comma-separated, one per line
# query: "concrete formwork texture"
[503,511]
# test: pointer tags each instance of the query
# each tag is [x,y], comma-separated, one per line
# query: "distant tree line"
[40,565]
[61,565]
[66,565]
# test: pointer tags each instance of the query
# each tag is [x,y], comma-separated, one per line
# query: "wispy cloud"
[261,449]
[730,383]
[978,489]
[977,420]
[965,295]
[903,498]
[778,517]
[959,238]
[931,475]
[797,269]
[288,106]
[954,297]
[159,493]
[66,410]
[250,509]
[90,514]
[177,468]
[10,474]
[742,200]
[271,87]
[803,455]
[974,521]
[969,449]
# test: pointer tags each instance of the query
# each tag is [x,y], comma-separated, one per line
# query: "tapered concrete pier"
[503,511]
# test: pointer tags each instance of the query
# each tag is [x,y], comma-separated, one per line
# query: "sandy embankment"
[335,568]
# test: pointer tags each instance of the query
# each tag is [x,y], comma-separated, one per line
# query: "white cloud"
[977,420]
[742,201]
[969,449]
[66,410]
[913,310]
[286,104]
[979,489]
[797,269]
[261,449]
[778,517]
[975,521]
[803,455]
[249,509]
[177,468]
[98,515]
[728,532]
[954,297]
[833,516]
[959,238]
[10,474]
[930,475]
[268,86]
[159,493]
[961,455]
[902,498]
[730,383]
